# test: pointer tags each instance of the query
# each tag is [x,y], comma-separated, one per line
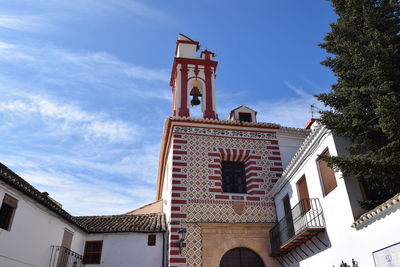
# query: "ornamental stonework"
[201,203]
[222,132]
[197,184]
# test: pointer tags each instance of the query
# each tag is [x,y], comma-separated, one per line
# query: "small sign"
[388,256]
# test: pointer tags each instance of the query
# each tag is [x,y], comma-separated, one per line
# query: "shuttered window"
[7,211]
[151,240]
[92,253]
[327,175]
[303,194]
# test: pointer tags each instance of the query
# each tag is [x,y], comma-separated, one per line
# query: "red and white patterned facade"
[189,178]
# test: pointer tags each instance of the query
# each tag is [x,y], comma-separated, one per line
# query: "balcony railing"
[305,220]
[64,257]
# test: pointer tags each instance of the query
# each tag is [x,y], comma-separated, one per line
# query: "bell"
[195,92]
[195,101]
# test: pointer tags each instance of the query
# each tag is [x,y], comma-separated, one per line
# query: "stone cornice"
[381,210]
[227,122]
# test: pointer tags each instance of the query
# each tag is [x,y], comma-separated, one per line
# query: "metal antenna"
[314,109]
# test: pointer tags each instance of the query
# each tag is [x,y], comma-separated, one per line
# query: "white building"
[236,187]
[36,231]
[320,222]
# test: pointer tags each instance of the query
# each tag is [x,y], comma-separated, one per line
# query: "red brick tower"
[215,175]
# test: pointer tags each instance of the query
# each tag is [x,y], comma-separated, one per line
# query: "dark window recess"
[151,240]
[245,117]
[7,211]
[288,215]
[327,174]
[92,253]
[233,177]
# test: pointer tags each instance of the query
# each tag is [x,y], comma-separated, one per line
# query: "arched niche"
[196,111]
[241,257]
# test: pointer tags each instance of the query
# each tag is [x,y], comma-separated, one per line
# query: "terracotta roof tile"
[15,181]
[154,222]
[91,224]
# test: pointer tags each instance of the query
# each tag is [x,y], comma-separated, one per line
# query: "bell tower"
[192,79]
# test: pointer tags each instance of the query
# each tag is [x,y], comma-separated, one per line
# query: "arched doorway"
[241,257]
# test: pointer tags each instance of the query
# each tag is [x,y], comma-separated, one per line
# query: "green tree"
[364,44]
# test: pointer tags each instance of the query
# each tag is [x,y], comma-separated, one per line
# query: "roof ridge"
[151,203]
[118,215]
[151,222]
[21,185]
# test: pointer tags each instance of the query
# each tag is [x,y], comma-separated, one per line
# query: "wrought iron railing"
[64,257]
[307,214]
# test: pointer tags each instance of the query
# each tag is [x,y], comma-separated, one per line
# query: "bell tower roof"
[186,47]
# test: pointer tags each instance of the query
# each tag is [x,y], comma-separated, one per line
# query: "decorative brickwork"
[228,133]
[197,185]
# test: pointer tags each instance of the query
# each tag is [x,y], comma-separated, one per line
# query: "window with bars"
[7,211]
[92,254]
[233,177]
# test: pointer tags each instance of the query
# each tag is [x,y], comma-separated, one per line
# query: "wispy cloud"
[47,15]
[69,119]
[57,135]
[292,111]
[82,198]
[21,22]
[296,89]
[107,183]
[52,60]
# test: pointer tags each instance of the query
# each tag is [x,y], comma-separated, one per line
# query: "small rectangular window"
[151,240]
[233,177]
[244,116]
[92,254]
[327,174]
[7,211]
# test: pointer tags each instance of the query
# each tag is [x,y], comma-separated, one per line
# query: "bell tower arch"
[192,79]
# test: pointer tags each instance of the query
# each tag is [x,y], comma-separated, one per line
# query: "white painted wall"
[344,242]
[288,145]
[167,187]
[33,230]
[186,50]
[122,250]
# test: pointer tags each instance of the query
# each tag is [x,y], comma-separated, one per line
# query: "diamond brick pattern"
[197,155]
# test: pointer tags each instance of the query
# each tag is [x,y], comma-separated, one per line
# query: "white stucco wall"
[167,187]
[344,242]
[34,230]
[186,50]
[131,250]
[289,143]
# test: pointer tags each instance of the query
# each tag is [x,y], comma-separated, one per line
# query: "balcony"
[64,257]
[305,220]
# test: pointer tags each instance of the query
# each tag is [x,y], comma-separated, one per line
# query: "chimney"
[310,123]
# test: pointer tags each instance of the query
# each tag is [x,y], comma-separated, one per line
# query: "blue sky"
[84,84]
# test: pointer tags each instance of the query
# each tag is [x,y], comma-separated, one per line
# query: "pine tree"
[364,44]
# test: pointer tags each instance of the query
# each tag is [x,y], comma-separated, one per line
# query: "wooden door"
[304,198]
[64,249]
[241,257]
